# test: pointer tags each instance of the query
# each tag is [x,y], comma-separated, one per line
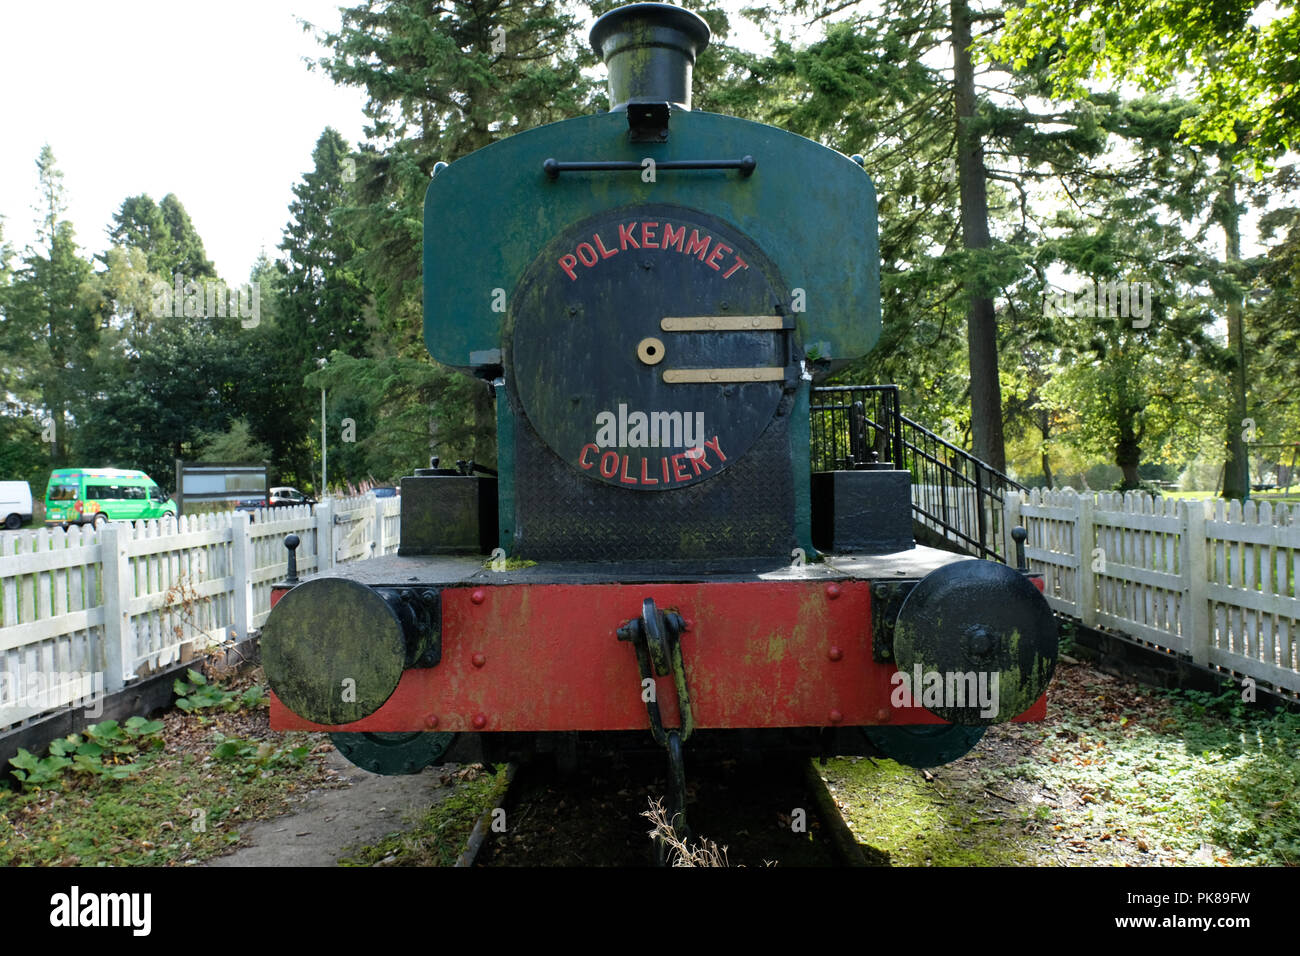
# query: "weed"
[1067,631]
[107,749]
[441,832]
[252,758]
[184,596]
[679,851]
[198,693]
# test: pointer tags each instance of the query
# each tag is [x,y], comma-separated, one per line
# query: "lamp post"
[324,452]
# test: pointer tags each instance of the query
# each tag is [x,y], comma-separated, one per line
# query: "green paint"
[505,469]
[800,194]
[395,753]
[800,454]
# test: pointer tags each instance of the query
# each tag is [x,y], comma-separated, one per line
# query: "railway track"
[772,812]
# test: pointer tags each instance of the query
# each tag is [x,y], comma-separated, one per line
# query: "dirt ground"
[359,808]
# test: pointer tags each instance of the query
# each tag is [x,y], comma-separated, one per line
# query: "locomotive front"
[649,293]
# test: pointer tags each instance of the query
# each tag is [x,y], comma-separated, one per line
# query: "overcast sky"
[210,101]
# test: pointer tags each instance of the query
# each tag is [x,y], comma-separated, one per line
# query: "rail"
[954,494]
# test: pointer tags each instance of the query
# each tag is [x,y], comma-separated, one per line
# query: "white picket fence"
[84,612]
[1208,579]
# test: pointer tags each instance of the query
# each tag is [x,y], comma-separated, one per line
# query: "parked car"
[386,492]
[251,505]
[285,497]
[15,504]
[98,495]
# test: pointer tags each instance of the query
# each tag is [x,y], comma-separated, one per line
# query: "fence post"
[379,527]
[324,535]
[241,567]
[118,591]
[398,510]
[1085,536]
[1010,519]
[1196,575]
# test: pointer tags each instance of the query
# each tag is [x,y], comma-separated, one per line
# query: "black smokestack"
[650,49]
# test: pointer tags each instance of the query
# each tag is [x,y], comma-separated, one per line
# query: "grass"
[1178,778]
[183,803]
[174,811]
[439,835]
[1273,497]
[915,821]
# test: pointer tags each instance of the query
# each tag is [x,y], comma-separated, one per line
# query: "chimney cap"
[663,15]
[650,50]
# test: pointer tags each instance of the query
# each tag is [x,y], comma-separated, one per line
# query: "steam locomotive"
[650,294]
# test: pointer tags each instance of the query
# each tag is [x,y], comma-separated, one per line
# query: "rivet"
[832,591]
[883,715]
[478,596]
[431,720]
[836,653]
[479,660]
[480,721]
[836,717]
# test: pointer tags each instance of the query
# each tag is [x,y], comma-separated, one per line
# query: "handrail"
[954,494]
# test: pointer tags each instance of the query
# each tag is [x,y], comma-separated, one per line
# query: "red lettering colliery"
[672,468]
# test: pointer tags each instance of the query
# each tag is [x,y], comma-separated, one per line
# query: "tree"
[324,304]
[1244,72]
[981,320]
[945,152]
[441,82]
[165,234]
[52,327]
[235,444]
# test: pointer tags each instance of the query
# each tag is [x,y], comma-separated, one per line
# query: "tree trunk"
[1236,471]
[981,321]
[1128,450]
[1045,429]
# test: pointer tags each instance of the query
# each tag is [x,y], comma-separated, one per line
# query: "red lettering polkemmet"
[740,264]
[718,252]
[714,253]
[604,253]
[697,245]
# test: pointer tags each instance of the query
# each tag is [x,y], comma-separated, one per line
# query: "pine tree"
[51,321]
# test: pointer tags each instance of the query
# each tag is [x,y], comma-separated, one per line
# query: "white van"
[15,504]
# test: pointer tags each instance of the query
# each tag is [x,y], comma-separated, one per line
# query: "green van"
[97,495]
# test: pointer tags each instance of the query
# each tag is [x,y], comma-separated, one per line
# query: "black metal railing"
[856,426]
[954,494]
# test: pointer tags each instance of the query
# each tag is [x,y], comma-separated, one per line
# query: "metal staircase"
[956,498]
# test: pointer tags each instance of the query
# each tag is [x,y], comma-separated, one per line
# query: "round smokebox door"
[649,346]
